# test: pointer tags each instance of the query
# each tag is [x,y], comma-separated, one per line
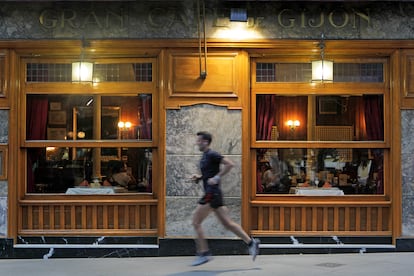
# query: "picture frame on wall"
[57,117]
[56,133]
[3,162]
[55,105]
[328,105]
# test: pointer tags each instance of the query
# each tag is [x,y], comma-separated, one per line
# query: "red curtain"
[36,122]
[265,117]
[374,118]
[146,117]
[374,121]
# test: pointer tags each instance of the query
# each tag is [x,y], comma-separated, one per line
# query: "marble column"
[407,165]
[4,127]
[182,161]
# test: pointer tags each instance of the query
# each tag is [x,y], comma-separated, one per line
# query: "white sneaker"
[199,260]
[254,248]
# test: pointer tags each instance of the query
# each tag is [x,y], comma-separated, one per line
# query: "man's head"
[203,140]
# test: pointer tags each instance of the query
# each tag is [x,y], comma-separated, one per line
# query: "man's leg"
[199,215]
[223,215]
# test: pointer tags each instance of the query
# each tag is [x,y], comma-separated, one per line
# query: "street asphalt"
[367,264]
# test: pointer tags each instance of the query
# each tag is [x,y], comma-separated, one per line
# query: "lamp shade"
[82,71]
[322,70]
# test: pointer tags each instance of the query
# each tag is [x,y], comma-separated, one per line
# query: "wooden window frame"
[315,89]
[103,89]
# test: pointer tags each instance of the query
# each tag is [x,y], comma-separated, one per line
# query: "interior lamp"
[124,125]
[322,69]
[293,124]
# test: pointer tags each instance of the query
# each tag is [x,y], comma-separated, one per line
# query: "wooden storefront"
[231,83]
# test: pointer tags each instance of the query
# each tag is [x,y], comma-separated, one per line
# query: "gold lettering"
[302,19]
[92,19]
[280,19]
[363,16]
[48,19]
[156,13]
[345,17]
[321,21]
[119,17]
[182,17]
[71,16]
[259,21]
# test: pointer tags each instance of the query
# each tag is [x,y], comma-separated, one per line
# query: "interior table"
[94,191]
[311,191]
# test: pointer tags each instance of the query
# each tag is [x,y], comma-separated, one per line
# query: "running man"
[212,200]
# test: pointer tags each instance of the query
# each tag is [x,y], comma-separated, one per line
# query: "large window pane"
[89,170]
[335,118]
[88,117]
[352,171]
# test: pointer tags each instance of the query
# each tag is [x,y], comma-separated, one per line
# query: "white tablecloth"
[319,191]
[91,191]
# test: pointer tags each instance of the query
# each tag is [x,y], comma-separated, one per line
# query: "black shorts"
[214,199]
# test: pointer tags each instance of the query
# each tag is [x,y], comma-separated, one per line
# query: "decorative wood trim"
[82,217]
[221,79]
[321,218]
[407,78]
[221,86]
[4,78]
[394,133]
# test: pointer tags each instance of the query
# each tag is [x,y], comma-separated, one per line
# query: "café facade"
[94,90]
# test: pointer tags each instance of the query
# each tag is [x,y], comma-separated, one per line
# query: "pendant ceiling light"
[322,69]
[82,71]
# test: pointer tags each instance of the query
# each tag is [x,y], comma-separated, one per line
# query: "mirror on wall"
[83,123]
[83,127]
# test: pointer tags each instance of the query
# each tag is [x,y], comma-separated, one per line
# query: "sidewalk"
[367,264]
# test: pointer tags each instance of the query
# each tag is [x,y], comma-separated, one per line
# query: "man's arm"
[227,166]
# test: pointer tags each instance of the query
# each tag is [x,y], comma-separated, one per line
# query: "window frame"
[118,88]
[320,89]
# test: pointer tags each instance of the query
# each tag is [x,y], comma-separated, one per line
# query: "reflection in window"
[55,170]
[281,171]
[336,118]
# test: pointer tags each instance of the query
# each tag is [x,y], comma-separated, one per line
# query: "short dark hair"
[205,136]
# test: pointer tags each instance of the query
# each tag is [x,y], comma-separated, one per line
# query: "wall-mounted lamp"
[124,128]
[238,15]
[124,125]
[82,71]
[293,124]
[322,70]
